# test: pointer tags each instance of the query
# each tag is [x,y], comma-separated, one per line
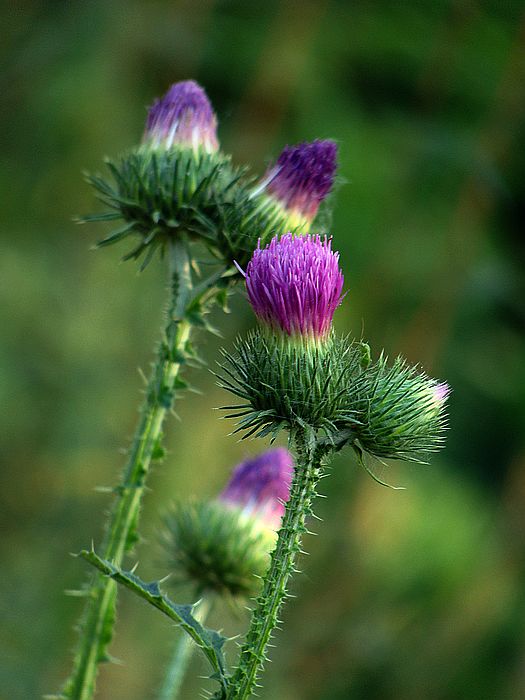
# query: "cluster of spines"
[286,384]
[215,548]
[403,413]
[160,194]
[390,411]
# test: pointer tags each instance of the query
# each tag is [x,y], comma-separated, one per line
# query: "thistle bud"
[175,183]
[286,199]
[260,487]
[294,285]
[184,117]
[403,412]
[223,545]
[301,179]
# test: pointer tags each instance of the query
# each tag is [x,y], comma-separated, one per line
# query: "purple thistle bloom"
[303,176]
[294,284]
[183,116]
[260,486]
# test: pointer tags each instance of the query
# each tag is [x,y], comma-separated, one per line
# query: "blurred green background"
[407,595]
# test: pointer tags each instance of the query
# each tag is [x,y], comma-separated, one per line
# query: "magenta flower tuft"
[184,116]
[303,176]
[260,486]
[294,284]
[440,392]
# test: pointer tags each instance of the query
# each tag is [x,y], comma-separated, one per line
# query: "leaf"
[209,641]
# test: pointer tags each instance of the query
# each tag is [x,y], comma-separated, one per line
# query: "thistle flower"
[183,116]
[301,179]
[294,285]
[261,486]
[223,545]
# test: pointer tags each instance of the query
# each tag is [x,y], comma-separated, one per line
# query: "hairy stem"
[181,656]
[265,616]
[99,615]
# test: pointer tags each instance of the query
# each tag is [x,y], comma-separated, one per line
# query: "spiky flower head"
[183,116]
[301,179]
[282,384]
[261,486]
[294,285]
[403,413]
[223,545]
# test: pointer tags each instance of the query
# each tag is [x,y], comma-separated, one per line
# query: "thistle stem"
[99,616]
[181,656]
[268,604]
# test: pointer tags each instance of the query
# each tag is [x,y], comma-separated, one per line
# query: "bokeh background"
[407,595]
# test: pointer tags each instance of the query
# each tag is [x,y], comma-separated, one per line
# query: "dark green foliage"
[217,548]
[401,418]
[288,382]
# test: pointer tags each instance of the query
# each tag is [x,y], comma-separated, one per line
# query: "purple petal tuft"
[183,116]
[294,284]
[260,486]
[441,392]
[303,176]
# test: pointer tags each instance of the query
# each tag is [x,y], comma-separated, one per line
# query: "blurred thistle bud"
[301,179]
[175,183]
[261,486]
[403,412]
[286,199]
[183,116]
[294,285]
[224,545]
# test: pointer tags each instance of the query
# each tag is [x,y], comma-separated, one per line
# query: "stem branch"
[181,656]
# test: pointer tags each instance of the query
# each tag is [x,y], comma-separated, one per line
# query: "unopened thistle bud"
[184,117]
[260,487]
[294,285]
[301,179]
[287,198]
[175,183]
[403,414]
[223,545]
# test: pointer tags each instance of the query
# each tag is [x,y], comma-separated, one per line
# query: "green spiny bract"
[216,547]
[245,219]
[161,193]
[402,412]
[288,382]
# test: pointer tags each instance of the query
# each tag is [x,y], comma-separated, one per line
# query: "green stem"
[98,621]
[268,604]
[181,656]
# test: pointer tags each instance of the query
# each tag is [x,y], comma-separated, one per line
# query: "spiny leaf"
[209,641]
